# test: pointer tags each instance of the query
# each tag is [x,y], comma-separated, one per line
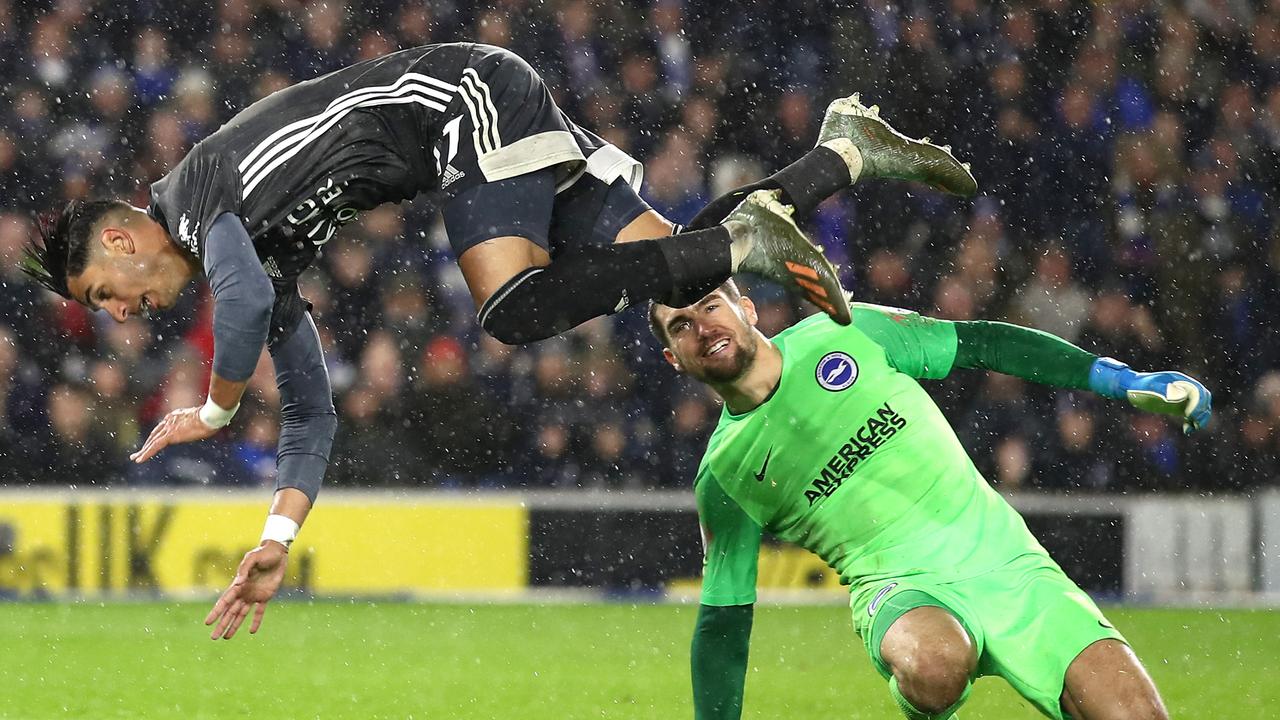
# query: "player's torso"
[849,455]
[306,160]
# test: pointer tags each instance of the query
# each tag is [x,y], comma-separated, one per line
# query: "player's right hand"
[179,426]
[257,579]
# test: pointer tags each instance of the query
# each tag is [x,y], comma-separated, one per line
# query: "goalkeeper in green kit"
[827,441]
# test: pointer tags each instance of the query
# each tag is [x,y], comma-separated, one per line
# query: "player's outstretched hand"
[257,579]
[1172,393]
[179,426]
[1167,393]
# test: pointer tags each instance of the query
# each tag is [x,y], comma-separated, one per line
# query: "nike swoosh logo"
[765,466]
[1106,625]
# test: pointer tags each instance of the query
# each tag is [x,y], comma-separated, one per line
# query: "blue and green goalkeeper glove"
[1167,393]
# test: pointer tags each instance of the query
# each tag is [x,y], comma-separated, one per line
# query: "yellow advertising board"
[99,543]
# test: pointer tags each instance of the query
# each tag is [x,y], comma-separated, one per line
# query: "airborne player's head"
[713,340]
[109,255]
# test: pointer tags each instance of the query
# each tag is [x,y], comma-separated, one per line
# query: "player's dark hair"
[728,287]
[63,247]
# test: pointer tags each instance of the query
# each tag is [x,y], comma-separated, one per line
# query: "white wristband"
[213,414]
[280,528]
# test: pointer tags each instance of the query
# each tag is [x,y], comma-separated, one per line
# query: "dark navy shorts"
[588,212]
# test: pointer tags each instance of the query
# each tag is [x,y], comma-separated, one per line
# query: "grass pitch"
[362,660]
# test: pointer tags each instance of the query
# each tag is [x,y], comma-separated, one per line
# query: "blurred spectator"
[1079,456]
[675,187]
[1153,460]
[461,433]
[255,450]
[15,446]
[1052,300]
[153,72]
[370,450]
[1001,409]
[583,49]
[693,416]
[675,51]
[75,452]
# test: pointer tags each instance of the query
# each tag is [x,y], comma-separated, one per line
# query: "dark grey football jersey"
[304,161]
[300,163]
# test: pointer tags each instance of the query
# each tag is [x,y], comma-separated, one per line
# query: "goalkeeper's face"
[714,340]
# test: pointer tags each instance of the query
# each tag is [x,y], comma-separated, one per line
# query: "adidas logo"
[451,175]
[622,302]
[272,268]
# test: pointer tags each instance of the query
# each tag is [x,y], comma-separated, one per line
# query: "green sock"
[913,714]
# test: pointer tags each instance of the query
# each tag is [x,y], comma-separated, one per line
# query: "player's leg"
[1048,639]
[616,214]
[1107,682]
[854,142]
[511,146]
[932,659]
[648,224]
[499,231]
[920,639]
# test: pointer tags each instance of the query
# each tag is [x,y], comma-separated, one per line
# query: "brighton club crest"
[836,371]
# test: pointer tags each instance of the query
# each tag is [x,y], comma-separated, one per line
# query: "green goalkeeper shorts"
[1027,620]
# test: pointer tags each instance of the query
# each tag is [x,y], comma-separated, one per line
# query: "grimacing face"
[129,274]
[714,340]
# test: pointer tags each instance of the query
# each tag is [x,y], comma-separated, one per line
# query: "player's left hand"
[1172,393]
[1167,392]
[179,426]
[256,582]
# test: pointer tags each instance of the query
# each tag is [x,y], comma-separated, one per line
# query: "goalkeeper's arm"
[1044,358]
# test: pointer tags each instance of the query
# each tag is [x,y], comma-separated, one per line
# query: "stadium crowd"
[1127,152]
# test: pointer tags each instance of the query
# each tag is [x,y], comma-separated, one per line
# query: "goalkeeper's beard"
[721,371]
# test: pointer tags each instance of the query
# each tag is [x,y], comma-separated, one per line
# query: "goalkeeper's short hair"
[728,287]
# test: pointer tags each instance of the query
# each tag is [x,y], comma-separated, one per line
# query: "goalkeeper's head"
[108,255]
[713,340]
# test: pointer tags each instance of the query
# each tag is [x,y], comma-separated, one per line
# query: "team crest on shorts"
[836,371]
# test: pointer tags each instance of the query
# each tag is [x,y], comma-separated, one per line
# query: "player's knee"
[936,679]
[1137,707]
[504,332]
[510,313]
[1153,712]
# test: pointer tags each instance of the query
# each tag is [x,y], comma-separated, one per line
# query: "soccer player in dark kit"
[543,216]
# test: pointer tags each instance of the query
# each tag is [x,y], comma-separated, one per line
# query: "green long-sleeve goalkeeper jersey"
[851,459]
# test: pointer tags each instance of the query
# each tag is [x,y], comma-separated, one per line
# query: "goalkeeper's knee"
[914,713]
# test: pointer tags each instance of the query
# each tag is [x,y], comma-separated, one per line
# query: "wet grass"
[390,660]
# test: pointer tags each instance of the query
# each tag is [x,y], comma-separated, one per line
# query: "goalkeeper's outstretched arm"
[1048,359]
[929,348]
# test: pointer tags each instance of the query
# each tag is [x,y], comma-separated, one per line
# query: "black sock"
[696,267]
[813,178]
[804,183]
[601,280]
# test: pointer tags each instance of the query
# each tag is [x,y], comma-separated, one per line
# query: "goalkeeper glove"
[1167,393]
